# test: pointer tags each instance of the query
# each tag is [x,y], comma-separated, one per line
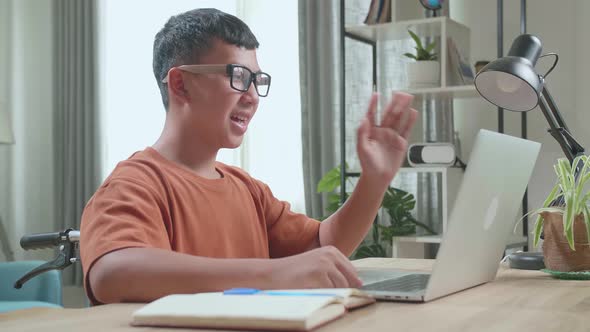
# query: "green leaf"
[333,203]
[422,53]
[430,47]
[330,181]
[574,195]
[538,229]
[569,235]
[415,38]
[371,250]
[410,55]
[539,222]
[375,233]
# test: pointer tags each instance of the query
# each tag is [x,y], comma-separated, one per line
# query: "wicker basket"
[556,251]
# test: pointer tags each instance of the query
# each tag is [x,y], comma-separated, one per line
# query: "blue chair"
[44,290]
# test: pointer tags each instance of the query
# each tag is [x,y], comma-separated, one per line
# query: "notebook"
[294,310]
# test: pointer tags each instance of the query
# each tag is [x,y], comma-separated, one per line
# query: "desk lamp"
[512,83]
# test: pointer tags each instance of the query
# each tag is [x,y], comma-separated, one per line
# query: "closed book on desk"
[293,310]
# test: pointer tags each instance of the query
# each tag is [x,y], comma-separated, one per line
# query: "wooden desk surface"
[516,301]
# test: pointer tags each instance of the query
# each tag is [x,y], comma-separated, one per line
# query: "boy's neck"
[188,153]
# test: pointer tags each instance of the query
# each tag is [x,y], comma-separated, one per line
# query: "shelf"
[437,169]
[418,239]
[462,91]
[515,240]
[427,169]
[428,27]
[414,246]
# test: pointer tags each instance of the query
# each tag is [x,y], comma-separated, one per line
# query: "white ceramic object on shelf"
[423,74]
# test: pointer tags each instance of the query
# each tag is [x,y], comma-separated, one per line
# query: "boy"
[171,219]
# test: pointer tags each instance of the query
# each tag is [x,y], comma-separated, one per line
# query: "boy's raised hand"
[382,147]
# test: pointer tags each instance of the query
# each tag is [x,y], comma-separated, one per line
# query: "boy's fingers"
[372,111]
[362,135]
[387,112]
[400,104]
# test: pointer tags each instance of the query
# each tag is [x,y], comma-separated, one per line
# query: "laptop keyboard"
[407,283]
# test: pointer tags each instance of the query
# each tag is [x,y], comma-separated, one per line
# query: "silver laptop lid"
[484,212]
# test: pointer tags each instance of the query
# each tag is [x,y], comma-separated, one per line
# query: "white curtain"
[6,233]
[26,77]
[76,118]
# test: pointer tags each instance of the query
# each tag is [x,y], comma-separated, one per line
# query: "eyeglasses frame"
[228,69]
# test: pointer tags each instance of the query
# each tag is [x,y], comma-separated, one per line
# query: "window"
[131,107]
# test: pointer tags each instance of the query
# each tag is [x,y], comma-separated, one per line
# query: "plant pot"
[423,74]
[557,254]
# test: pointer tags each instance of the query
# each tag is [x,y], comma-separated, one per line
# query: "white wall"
[559,25]
[28,190]
[581,86]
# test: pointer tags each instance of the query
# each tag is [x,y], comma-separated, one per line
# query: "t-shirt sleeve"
[121,214]
[289,233]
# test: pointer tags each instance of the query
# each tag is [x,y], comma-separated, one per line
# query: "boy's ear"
[176,85]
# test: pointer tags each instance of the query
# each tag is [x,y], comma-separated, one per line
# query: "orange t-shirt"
[149,201]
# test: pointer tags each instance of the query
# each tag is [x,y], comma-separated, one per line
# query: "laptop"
[480,224]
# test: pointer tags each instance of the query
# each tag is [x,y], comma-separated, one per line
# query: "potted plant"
[425,71]
[397,203]
[564,219]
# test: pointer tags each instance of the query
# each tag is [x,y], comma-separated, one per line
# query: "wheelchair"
[67,242]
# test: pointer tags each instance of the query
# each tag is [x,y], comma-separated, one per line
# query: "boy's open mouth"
[239,119]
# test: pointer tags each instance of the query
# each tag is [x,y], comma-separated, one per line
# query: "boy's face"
[220,114]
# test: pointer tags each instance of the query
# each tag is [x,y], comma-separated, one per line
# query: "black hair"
[188,36]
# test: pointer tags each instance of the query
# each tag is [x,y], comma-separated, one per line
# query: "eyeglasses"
[240,76]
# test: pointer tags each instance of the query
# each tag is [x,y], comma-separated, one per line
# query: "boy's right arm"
[145,274]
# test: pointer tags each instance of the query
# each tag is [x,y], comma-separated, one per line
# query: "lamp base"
[526,261]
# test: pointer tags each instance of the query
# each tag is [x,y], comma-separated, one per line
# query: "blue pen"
[254,291]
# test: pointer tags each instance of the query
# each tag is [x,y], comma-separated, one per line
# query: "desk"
[516,301]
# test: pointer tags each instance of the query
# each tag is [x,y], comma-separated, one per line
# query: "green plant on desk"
[564,218]
[396,202]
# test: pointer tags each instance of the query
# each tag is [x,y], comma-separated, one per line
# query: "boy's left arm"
[381,150]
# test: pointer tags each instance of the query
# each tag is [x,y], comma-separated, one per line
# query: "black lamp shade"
[511,82]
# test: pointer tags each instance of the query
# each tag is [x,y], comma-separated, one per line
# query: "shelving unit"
[427,27]
[450,180]
[460,91]
[440,29]
[413,246]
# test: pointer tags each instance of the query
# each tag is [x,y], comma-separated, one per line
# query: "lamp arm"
[558,128]
[553,107]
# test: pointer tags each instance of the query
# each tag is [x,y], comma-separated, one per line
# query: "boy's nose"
[251,96]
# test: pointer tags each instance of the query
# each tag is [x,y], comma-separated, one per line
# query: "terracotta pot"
[556,251]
